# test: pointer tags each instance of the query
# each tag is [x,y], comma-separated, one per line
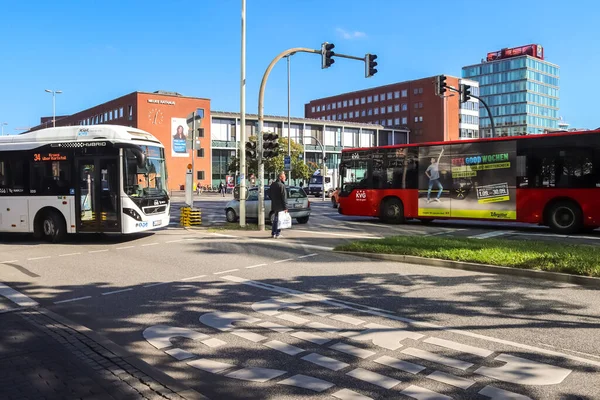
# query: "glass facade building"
[522,93]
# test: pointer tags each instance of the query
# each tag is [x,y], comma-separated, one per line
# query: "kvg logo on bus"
[361,195]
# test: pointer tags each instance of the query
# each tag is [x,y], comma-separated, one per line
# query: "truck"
[315,184]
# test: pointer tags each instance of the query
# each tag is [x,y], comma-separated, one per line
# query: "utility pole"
[242,151]
[289,135]
[326,60]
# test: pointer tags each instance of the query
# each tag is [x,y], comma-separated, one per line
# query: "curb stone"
[495,269]
[118,352]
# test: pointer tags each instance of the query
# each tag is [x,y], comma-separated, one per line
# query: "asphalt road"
[237,315]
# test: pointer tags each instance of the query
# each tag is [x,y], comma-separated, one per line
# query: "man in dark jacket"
[278,195]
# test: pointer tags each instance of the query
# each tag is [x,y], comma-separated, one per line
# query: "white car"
[297,203]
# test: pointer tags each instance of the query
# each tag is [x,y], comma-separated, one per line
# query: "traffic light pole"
[242,151]
[261,121]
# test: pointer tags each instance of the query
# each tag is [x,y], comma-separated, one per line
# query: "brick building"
[411,105]
[159,113]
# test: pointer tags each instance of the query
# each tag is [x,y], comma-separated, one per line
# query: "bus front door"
[98,194]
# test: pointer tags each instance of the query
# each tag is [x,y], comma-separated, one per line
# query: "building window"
[318,108]
[334,117]
[101,118]
[345,115]
[397,121]
[404,120]
[130,112]
[110,115]
[369,99]
[328,117]
[420,90]
[339,104]
[339,117]
[389,122]
[362,100]
[351,114]
[416,105]
[404,107]
[376,97]
[328,107]
[383,122]
[200,153]
[389,95]
[416,119]
[397,94]
[312,109]
[421,119]
[356,101]
[345,103]
[370,111]
[200,175]
[351,102]
[121,112]
[382,110]
[397,107]
[415,91]
[404,93]
[376,111]
[389,109]
[88,121]
[333,106]
[362,113]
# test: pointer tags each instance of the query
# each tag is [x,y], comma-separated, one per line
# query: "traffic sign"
[287,163]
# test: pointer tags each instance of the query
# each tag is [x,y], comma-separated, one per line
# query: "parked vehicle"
[315,184]
[297,202]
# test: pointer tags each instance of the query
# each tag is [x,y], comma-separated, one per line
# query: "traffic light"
[270,145]
[465,92]
[327,54]
[440,85]
[370,65]
[251,150]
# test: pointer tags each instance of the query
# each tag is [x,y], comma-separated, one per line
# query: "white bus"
[101,178]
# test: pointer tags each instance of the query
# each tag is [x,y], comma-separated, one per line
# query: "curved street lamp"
[54,93]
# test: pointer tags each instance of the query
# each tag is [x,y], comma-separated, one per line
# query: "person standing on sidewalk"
[278,195]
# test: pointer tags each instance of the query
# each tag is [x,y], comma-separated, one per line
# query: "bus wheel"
[392,211]
[53,227]
[565,217]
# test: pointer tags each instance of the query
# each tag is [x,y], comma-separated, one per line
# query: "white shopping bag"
[284,221]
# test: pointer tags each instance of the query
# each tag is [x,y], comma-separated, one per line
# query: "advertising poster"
[179,137]
[471,180]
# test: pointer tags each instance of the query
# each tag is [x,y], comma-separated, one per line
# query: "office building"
[161,113]
[520,87]
[412,105]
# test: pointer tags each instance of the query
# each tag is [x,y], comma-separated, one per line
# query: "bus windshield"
[149,180]
[353,174]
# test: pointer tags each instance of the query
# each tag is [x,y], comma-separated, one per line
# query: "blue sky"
[96,52]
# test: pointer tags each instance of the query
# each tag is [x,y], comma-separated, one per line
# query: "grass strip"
[233,226]
[576,259]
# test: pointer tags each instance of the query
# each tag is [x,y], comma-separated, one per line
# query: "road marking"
[38,258]
[68,254]
[9,261]
[491,234]
[436,358]
[125,247]
[149,244]
[524,372]
[223,321]
[284,347]
[500,394]
[452,380]
[213,342]
[160,336]
[224,272]
[307,382]
[281,261]
[341,234]
[347,394]
[373,377]
[572,351]
[292,318]
[223,235]
[157,284]
[390,315]
[210,365]
[255,374]
[253,337]
[352,350]
[117,291]
[272,306]
[16,296]
[478,351]
[310,337]
[419,393]
[383,336]
[347,319]
[308,255]
[175,241]
[193,277]
[180,354]
[316,311]
[256,266]
[97,251]
[323,327]
[275,327]
[401,365]
[75,299]
[325,362]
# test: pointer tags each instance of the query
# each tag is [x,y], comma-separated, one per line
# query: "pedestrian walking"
[278,195]
[222,189]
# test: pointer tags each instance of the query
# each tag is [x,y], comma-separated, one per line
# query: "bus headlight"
[132,213]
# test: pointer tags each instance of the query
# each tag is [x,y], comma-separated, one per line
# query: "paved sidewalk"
[44,356]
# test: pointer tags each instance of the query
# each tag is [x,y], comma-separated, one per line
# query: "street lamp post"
[289,131]
[242,145]
[54,93]
[3,125]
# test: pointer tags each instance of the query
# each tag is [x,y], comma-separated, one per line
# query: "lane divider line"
[116,291]
[224,272]
[74,299]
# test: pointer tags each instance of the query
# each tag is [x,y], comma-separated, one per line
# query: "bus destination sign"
[38,157]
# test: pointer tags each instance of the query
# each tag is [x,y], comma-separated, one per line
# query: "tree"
[275,165]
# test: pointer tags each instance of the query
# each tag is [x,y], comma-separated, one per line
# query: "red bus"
[551,179]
